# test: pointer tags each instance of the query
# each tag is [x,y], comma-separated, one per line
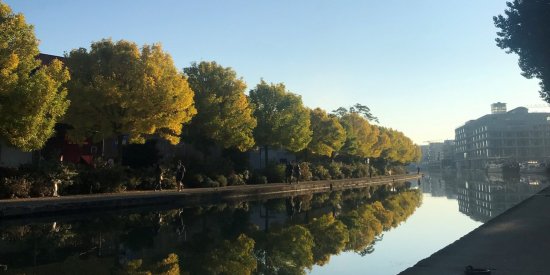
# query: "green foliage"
[208,182]
[360,136]
[224,113]
[360,170]
[37,181]
[32,97]
[328,134]
[359,109]
[335,170]
[102,180]
[168,266]
[330,237]
[127,92]
[232,257]
[401,149]
[403,205]
[525,30]
[258,178]
[222,180]
[275,172]
[306,172]
[283,121]
[236,179]
[320,172]
[291,249]
[364,140]
[14,187]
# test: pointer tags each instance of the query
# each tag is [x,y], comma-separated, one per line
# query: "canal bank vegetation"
[132,99]
[281,236]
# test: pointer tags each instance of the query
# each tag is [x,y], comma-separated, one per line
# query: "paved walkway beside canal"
[516,242]
[189,197]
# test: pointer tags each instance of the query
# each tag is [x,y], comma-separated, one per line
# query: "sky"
[424,67]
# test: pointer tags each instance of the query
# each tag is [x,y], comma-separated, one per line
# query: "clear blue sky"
[423,67]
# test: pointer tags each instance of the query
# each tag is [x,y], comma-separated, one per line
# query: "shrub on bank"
[257,178]
[15,187]
[360,170]
[37,181]
[235,179]
[320,172]
[222,180]
[275,172]
[208,182]
[306,172]
[334,169]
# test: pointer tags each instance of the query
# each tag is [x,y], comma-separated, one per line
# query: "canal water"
[375,230]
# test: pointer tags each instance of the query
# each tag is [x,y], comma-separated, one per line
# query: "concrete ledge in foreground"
[516,242]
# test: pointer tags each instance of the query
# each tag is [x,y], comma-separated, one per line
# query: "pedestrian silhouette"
[159,177]
[288,173]
[297,172]
[180,173]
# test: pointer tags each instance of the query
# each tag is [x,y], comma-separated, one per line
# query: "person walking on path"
[288,173]
[180,173]
[418,170]
[297,172]
[159,177]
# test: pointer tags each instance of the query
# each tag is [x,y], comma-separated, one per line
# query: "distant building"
[498,108]
[256,157]
[438,154]
[516,135]
[13,157]
[448,154]
[433,155]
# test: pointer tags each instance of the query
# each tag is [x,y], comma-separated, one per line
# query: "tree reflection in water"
[280,236]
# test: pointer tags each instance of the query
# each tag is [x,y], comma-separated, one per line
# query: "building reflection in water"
[483,196]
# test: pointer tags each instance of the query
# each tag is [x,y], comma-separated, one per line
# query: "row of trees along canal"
[119,90]
[281,236]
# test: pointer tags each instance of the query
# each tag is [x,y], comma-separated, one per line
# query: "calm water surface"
[377,230]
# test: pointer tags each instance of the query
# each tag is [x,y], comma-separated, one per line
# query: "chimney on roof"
[498,108]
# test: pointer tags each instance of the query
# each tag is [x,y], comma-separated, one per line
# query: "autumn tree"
[117,89]
[525,31]
[399,149]
[383,142]
[328,134]
[232,257]
[290,250]
[283,121]
[224,113]
[360,136]
[360,109]
[330,237]
[32,96]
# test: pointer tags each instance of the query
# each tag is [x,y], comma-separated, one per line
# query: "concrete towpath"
[189,197]
[516,242]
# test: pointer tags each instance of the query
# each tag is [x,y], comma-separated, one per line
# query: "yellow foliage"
[32,97]
[128,92]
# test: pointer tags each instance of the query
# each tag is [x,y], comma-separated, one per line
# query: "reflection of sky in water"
[434,225]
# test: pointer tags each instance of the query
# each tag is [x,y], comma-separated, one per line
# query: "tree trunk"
[120,138]
[266,149]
